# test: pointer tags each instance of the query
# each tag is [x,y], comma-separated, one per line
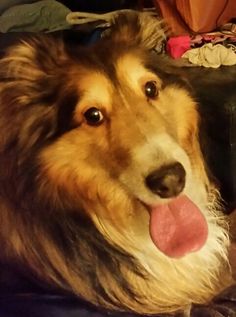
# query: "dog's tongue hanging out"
[178,228]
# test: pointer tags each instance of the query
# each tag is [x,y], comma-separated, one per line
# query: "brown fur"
[70,192]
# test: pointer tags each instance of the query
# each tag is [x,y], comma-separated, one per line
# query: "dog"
[104,191]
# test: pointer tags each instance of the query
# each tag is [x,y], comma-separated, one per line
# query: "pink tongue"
[178,228]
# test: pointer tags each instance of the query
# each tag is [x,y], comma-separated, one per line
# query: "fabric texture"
[186,16]
[205,16]
[42,16]
[210,55]
[177,46]
[52,306]
[6,4]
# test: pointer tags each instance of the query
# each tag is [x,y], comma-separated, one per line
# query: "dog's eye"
[93,116]
[151,90]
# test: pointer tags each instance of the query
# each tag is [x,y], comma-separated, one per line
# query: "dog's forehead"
[103,80]
[95,85]
[131,67]
[132,70]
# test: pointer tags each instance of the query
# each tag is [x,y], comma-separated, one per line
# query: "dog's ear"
[30,81]
[33,59]
[138,28]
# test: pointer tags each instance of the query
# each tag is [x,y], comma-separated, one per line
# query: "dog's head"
[103,186]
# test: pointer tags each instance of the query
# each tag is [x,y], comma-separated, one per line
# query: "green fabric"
[6,4]
[41,16]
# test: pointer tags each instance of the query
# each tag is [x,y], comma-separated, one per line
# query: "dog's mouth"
[178,227]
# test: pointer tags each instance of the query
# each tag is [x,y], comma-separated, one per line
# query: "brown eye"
[93,116]
[151,90]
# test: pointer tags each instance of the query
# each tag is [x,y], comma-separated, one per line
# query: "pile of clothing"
[208,50]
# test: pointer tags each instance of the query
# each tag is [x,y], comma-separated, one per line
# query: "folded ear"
[138,28]
[33,58]
[30,80]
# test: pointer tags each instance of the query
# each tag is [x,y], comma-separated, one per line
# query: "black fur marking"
[66,106]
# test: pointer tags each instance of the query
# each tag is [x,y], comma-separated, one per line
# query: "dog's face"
[131,140]
[101,152]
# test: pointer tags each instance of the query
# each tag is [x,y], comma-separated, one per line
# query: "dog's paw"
[223,305]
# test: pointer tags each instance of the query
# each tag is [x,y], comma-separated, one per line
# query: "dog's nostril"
[167,181]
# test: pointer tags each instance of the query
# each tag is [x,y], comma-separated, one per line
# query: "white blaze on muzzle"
[177,226]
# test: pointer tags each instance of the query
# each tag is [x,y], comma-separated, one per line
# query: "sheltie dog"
[103,188]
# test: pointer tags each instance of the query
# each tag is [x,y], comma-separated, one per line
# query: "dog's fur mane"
[86,237]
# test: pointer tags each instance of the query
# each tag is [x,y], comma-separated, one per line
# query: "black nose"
[167,181]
